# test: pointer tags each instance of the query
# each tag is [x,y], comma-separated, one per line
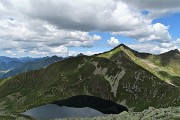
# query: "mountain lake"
[52,111]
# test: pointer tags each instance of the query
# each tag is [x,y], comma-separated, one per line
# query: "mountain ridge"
[156,64]
[116,76]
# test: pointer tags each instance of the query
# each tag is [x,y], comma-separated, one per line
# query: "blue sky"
[171,20]
[64,28]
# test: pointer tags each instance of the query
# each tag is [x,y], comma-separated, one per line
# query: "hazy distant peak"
[80,54]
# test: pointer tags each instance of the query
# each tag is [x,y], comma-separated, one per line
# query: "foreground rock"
[171,113]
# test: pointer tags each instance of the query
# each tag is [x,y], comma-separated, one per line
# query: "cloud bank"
[45,27]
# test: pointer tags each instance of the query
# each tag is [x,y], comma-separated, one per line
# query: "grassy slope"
[165,66]
[60,80]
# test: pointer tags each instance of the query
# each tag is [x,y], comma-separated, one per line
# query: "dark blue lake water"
[52,111]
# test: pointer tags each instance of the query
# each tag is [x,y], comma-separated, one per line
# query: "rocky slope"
[170,113]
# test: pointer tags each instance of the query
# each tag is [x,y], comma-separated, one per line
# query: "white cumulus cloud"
[37,26]
[113,41]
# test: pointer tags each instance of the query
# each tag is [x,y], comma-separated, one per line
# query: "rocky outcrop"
[171,113]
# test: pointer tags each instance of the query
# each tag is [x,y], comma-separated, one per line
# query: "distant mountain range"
[121,75]
[12,66]
[23,59]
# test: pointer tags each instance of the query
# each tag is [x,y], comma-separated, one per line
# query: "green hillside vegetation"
[166,66]
[119,75]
